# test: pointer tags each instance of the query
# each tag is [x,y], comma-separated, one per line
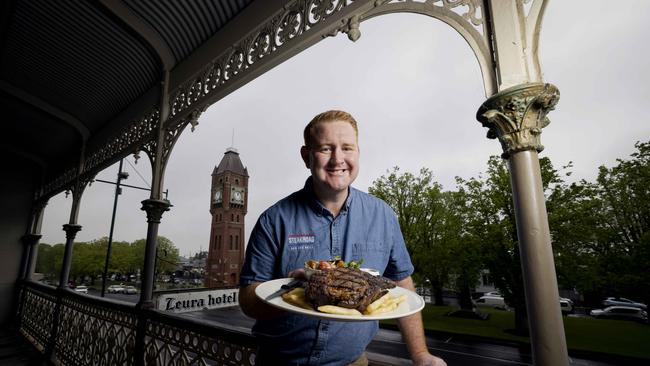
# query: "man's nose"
[337,155]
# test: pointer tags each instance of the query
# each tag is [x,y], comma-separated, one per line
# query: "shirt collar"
[315,203]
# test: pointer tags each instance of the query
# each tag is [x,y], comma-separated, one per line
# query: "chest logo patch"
[301,239]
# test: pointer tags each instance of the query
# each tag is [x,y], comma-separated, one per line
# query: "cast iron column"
[155,209]
[31,249]
[71,231]
[516,116]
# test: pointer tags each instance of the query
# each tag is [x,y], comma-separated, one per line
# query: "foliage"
[431,221]
[599,230]
[88,258]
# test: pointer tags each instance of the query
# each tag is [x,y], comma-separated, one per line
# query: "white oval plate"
[412,305]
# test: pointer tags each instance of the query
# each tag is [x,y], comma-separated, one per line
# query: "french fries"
[378,303]
[297,297]
[384,304]
[333,309]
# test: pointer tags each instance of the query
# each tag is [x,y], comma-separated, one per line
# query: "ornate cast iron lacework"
[299,17]
[37,313]
[169,139]
[62,181]
[470,10]
[167,344]
[91,333]
[129,140]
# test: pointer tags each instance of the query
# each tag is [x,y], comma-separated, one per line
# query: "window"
[237,218]
[219,242]
[236,241]
[231,243]
[232,217]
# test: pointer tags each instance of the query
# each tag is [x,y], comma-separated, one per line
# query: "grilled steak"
[346,287]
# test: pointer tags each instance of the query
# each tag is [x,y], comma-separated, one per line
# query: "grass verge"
[615,337]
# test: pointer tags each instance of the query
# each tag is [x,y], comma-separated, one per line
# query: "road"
[454,350]
[122,297]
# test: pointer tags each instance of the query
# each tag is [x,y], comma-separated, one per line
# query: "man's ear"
[304,153]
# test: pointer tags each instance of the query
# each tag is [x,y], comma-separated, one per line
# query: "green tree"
[45,260]
[167,255]
[467,262]
[624,226]
[491,221]
[417,202]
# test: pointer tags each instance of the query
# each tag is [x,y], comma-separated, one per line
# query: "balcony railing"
[74,329]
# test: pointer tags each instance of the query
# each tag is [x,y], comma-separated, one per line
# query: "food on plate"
[297,297]
[378,303]
[338,287]
[337,262]
[384,304]
[346,287]
[388,304]
[332,309]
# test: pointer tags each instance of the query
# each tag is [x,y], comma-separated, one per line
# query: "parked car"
[566,305]
[493,293]
[130,290]
[115,289]
[621,313]
[496,302]
[621,301]
[82,289]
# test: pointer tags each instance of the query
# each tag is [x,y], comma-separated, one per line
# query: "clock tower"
[228,206]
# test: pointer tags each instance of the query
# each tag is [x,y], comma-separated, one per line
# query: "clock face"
[217,196]
[237,195]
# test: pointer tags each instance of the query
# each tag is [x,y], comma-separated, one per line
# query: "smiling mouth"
[337,171]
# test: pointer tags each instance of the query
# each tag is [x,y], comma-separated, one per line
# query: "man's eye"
[325,149]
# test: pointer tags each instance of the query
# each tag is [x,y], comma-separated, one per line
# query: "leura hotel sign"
[183,301]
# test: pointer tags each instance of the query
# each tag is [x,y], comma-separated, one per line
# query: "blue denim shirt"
[298,228]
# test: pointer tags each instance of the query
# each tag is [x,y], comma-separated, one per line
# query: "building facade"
[228,207]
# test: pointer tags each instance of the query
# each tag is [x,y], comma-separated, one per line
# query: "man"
[327,218]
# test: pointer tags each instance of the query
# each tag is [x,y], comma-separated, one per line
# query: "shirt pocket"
[373,254]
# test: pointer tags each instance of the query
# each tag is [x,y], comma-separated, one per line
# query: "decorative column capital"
[155,209]
[517,115]
[30,239]
[71,230]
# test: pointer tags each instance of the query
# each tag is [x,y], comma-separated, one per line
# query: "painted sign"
[183,302]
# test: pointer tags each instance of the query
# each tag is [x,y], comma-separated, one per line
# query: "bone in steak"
[346,287]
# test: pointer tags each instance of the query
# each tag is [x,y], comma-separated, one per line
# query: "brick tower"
[228,206]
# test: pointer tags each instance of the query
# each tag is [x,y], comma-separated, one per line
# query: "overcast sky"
[414,86]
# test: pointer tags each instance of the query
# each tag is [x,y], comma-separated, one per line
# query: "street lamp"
[118,190]
[121,175]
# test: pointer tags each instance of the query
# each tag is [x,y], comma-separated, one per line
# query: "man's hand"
[298,273]
[427,359]
[413,334]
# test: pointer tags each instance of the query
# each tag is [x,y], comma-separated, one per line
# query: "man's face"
[333,157]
